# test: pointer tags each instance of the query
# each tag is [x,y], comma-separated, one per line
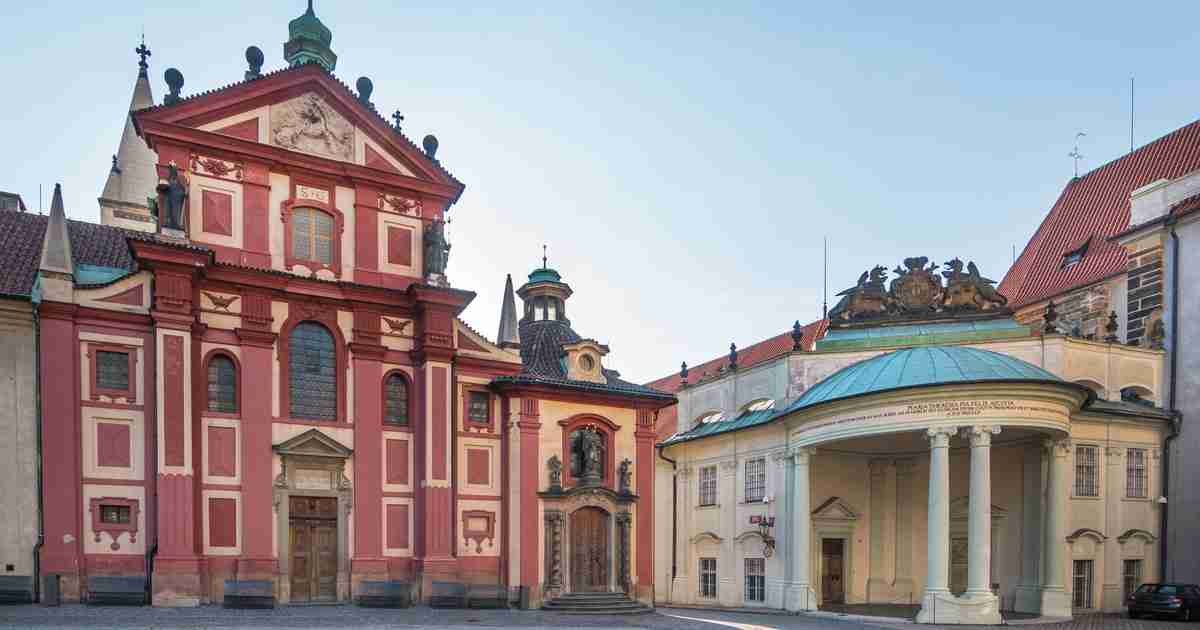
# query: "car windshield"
[1169,589]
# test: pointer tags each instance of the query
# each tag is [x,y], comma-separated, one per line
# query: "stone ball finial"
[365,87]
[254,59]
[174,79]
[431,145]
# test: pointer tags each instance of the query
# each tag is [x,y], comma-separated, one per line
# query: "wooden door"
[590,557]
[312,530]
[833,582]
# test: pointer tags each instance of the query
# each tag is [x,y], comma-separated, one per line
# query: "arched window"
[312,235]
[395,400]
[312,384]
[222,384]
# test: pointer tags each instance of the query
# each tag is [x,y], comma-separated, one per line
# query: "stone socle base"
[176,589]
[975,609]
[1028,599]
[1055,602]
[799,597]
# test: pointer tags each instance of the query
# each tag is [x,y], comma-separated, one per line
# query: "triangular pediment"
[835,509]
[307,111]
[475,344]
[960,509]
[313,443]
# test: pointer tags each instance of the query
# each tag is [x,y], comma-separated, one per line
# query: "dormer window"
[1075,255]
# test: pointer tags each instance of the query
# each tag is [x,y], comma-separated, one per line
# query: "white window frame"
[754,486]
[756,581]
[707,485]
[707,578]
[1080,488]
[1137,474]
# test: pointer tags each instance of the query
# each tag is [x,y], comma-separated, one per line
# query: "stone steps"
[596,604]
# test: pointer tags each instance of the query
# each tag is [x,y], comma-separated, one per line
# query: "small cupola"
[308,42]
[545,296]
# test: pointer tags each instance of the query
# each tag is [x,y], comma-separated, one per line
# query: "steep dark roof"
[1096,206]
[21,235]
[541,363]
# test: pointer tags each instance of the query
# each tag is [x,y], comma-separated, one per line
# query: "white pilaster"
[937,575]
[800,595]
[1055,601]
[981,605]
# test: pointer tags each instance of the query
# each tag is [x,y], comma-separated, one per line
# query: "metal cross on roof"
[142,53]
[397,117]
[1075,154]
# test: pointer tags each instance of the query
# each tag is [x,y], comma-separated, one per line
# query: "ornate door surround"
[560,507]
[312,465]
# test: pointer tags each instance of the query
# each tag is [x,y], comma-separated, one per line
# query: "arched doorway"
[590,557]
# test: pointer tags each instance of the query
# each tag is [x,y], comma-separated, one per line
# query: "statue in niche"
[555,466]
[174,193]
[436,248]
[587,456]
[625,477]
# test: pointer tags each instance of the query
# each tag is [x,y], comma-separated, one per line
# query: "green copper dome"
[544,275]
[308,41]
[923,366]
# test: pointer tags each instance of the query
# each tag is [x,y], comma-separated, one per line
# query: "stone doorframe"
[312,465]
[557,510]
[835,518]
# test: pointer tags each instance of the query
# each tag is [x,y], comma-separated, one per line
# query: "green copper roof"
[917,367]
[544,274]
[308,41]
[925,334]
[902,369]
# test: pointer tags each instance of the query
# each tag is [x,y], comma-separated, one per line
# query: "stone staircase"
[596,604]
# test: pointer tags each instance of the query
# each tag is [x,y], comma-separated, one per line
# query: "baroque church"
[254,376]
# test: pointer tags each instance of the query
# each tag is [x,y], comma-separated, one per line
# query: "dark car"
[1181,601]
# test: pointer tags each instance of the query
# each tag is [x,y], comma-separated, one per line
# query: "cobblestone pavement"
[352,617]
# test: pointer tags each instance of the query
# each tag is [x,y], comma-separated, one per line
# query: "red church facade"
[279,387]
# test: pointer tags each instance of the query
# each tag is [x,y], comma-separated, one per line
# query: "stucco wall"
[1184,543]
[18,439]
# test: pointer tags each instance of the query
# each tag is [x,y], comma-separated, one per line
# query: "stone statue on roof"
[174,194]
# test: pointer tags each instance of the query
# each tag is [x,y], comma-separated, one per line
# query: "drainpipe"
[1177,420]
[37,459]
[674,515]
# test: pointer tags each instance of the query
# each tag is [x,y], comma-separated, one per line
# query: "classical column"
[643,470]
[1029,587]
[367,355]
[937,576]
[1055,601]
[984,606]
[257,344]
[800,594]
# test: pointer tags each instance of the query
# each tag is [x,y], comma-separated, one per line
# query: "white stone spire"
[509,335]
[56,244]
[132,177]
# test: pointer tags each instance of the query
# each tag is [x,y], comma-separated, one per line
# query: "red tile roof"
[749,356]
[21,235]
[1095,204]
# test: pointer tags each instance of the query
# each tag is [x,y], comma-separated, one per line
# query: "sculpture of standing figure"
[174,193]
[625,476]
[437,250]
[555,466]
[591,448]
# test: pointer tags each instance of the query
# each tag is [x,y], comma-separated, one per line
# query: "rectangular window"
[708,577]
[1131,576]
[756,580]
[118,514]
[112,370]
[756,479]
[1135,473]
[1081,596]
[1086,481]
[708,485]
[478,403]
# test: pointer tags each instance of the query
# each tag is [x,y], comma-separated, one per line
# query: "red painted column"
[176,579]
[368,561]
[61,447]
[366,234]
[258,517]
[644,469]
[529,427]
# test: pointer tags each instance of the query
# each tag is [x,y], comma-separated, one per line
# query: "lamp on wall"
[765,523]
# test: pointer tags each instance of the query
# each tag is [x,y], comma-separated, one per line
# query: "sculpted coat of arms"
[917,291]
[310,125]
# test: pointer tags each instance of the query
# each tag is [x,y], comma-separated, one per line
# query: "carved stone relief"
[308,124]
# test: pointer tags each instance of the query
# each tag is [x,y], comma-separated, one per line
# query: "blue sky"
[682,160]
